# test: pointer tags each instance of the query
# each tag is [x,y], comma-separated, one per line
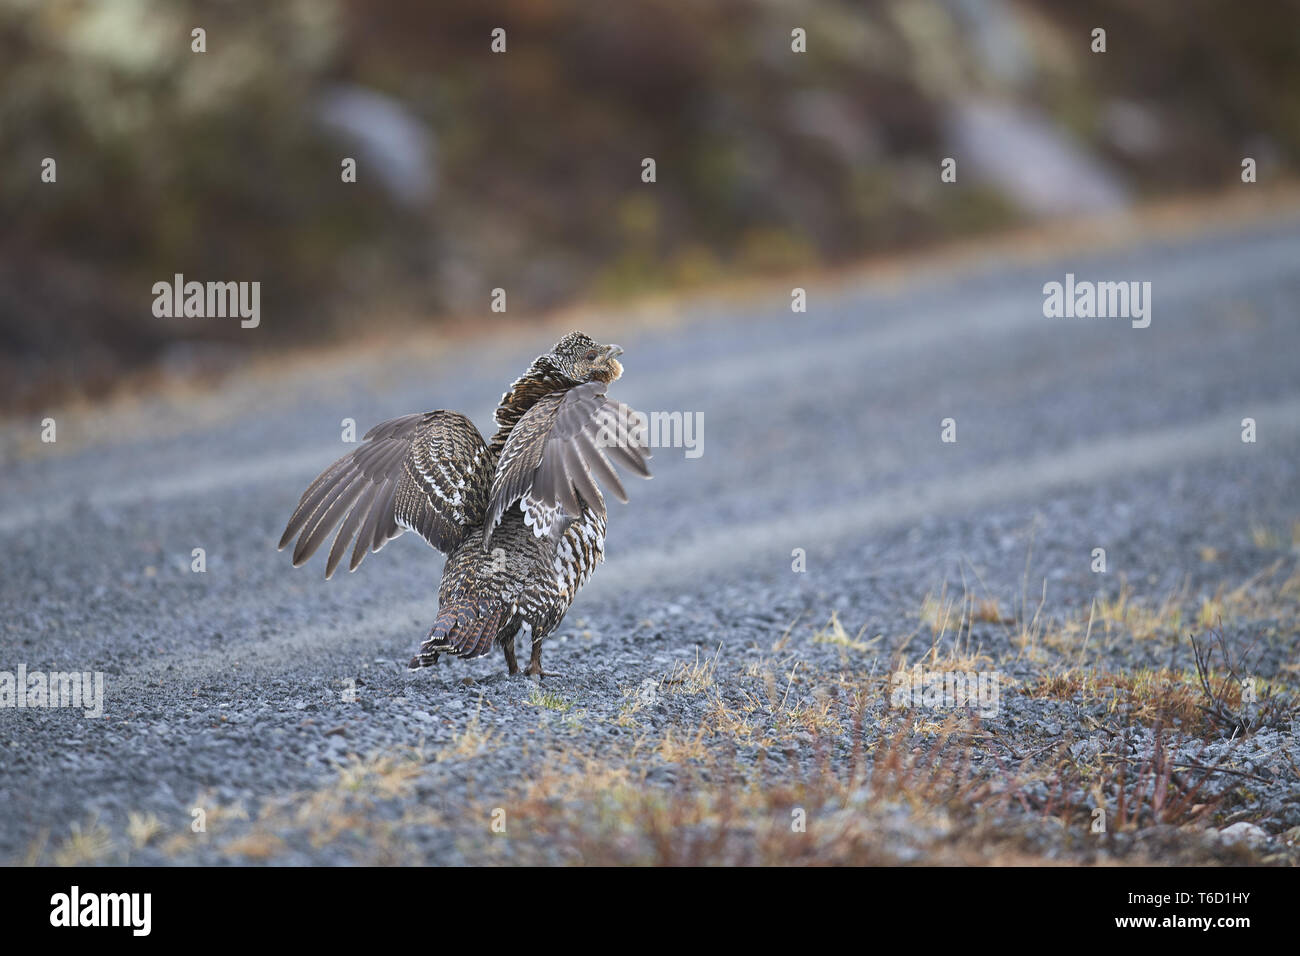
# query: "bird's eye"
[591,354]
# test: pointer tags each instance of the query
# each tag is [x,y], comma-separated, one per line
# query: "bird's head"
[582,359]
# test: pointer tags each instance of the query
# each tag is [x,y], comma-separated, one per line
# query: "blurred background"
[479,170]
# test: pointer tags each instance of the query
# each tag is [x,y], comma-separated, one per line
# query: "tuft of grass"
[987,611]
[384,775]
[85,845]
[260,844]
[142,828]
[692,678]
[1161,792]
[679,748]
[941,613]
[834,633]
[1126,614]
[1211,613]
[779,644]
[473,740]
[1153,697]
[1225,705]
[732,722]
[820,718]
[549,700]
[1264,537]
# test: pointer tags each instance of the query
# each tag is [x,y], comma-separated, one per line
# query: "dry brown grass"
[1152,697]
[693,678]
[143,828]
[781,740]
[470,742]
[834,633]
[86,844]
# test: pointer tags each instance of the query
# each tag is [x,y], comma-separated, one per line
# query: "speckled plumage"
[521,519]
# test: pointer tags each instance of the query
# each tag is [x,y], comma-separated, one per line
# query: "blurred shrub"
[218,166]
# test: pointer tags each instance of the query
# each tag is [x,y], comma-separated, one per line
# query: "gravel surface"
[712,703]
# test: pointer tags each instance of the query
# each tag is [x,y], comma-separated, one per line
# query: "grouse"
[520,519]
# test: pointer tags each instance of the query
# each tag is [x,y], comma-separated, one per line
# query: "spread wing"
[557,450]
[429,473]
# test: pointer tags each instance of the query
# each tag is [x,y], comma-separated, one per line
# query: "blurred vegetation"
[218,165]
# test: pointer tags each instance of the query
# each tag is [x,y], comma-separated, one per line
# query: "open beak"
[612,368]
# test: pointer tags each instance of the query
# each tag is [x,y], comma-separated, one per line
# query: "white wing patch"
[545,519]
[579,551]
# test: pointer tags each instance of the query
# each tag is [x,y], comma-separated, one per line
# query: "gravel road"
[707,689]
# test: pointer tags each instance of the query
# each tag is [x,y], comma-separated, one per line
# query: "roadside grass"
[143,829]
[473,740]
[1130,616]
[834,633]
[549,700]
[793,762]
[1265,537]
[86,844]
[724,810]
[937,798]
[692,678]
[679,746]
[1272,592]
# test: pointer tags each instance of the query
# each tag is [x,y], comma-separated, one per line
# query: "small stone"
[1242,832]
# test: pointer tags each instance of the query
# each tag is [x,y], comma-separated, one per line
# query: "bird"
[521,519]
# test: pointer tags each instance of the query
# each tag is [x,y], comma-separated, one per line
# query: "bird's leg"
[508,645]
[535,662]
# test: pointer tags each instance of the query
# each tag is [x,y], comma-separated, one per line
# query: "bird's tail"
[465,628]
